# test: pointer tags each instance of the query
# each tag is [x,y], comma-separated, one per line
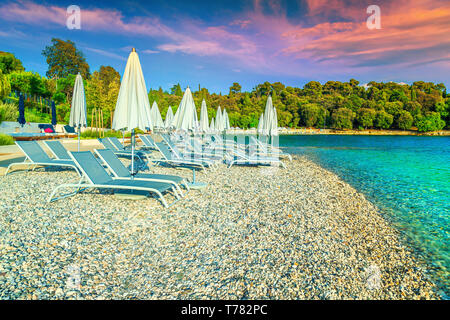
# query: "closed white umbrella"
[78,113]
[156,116]
[212,126]
[226,120]
[204,126]
[169,118]
[268,115]
[186,115]
[274,128]
[219,121]
[132,107]
[261,124]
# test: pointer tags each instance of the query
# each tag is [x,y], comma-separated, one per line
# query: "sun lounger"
[148,143]
[262,148]
[57,149]
[191,154]
[117,144]
[118,170]
[36,156]
[171,159]
[121,153]
[95,176]
[241,158]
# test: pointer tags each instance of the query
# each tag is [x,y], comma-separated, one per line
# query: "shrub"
[342,118]
[94,134]
[365,117]
[309,113]
[430,122]
[404,120]
[8,112]
[6,139]
[383,120]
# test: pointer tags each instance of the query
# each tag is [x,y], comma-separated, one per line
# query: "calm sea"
[407,177]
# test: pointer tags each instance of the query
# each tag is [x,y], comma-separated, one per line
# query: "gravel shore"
[253,233]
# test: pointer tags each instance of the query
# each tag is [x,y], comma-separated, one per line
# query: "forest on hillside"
[424,106]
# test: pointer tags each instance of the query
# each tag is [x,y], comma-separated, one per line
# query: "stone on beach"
[252,233]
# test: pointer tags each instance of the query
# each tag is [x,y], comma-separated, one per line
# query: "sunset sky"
[215,43]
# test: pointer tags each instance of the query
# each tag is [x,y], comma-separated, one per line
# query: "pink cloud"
[411,30]
[196,39]
[243,24]
[91,19]
[331,34]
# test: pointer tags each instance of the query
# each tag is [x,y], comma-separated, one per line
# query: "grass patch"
[6,140]
[8,112]
[93,134]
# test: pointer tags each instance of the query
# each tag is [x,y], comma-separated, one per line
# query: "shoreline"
[372,132]
[253,233]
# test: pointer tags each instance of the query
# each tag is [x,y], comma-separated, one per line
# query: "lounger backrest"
[165,136]
[113,163]
[116,143]
[241,154]
[90,167]
[175,151]
[69,129]
[107,144]
[145,141]
[58,149]
[150,141]
[164,150]
[195,145]
[33,151]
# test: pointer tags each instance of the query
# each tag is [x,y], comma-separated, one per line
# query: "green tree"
[404,120]
[383,120]
[176,90]
[5,86]
[102,91]
[65,89]
[393,108]
[342,118]
[309,113]
[443,107]
[28,82]
[235,88]
[312,88]
[9,63]
[64,59]
[365,117]
[431,122]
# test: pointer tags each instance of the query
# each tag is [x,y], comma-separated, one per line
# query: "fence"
[44,104]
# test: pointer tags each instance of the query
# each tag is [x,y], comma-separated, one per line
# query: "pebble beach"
[252,233]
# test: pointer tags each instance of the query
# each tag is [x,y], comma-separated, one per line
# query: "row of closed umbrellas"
[133,108]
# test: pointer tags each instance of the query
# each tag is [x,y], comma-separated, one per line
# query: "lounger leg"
[51,199]
[17,163]
[179,191]
[186,185]
[161,197]
[7,169]
[175,192]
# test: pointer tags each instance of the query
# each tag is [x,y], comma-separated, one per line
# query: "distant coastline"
[373,132]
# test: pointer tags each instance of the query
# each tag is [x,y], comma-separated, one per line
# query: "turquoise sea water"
[407,177]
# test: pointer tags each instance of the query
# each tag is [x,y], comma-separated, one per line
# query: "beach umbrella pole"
[132,154]
[79,129]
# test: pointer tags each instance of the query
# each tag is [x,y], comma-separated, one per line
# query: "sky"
[215,43]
